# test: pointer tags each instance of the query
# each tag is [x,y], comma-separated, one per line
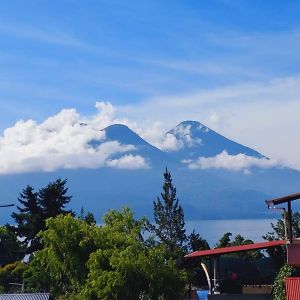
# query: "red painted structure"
[226,250]
[293,254]
[216,253]
[292,286]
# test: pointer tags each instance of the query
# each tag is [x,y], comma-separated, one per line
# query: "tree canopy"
[112,261]
[238,240]
[11,249]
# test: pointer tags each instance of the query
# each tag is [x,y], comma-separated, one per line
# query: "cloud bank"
[262,116]
[63,141]
[239,162]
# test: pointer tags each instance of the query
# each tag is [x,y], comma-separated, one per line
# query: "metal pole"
[290,222]
[7,205]
[215,272]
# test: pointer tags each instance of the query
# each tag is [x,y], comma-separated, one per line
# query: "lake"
[212,230]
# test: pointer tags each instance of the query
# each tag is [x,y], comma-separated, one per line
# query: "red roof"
[219,251]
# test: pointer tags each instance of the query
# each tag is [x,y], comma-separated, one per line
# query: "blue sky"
[233,65]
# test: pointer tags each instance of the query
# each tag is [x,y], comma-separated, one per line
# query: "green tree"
[126,268]
[68,243]
[108,262]
[238,240]
[278,254]
[224,241]
[11,249]
[89,217]
[12,273]
[29,220]
[278,228]
[169,224]
[196,242]
[35,208]
[36,277]
[53,198]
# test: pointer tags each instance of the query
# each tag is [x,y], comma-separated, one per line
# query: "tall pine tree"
[53,198]
[169,218]
[35,208]
[29,220]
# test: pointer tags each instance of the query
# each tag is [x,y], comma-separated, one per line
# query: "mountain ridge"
[213,192]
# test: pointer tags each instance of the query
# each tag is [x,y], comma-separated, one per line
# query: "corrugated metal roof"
[218,251]
[36,296]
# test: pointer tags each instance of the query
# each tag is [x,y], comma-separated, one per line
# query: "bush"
[279,284]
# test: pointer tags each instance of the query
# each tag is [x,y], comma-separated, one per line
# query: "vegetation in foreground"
[125,258]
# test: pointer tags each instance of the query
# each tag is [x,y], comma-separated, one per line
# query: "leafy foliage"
[196,242]
[125,268]
[279,284]
[68,243]
[278,254]
[225,241]
[11,249]
[11,273]
[89,217]
[109,262]
[36,278]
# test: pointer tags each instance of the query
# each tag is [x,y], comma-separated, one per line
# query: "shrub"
[279,284]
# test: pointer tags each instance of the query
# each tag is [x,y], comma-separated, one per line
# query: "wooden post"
[290,229]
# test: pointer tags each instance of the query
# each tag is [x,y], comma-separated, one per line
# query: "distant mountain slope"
[121,133]
[126,136]
[211,193]
[195,139]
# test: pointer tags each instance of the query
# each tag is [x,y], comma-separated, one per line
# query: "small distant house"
[27,296]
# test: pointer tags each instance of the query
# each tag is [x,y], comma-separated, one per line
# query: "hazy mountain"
[126,136]
[195,139]
[207,190]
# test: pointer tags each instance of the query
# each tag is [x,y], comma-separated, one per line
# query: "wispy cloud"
[45,36]
[207,68]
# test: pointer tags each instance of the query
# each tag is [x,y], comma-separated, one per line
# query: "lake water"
[212,230]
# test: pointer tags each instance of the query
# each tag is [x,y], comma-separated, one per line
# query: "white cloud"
[61,141]
[154,133]
[128,161]
[239,162]
[262,115]
[170,143]
[185,136]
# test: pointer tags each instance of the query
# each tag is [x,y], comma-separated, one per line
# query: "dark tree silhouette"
[53,198]
[29,220]
[169,217]
[35,208]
